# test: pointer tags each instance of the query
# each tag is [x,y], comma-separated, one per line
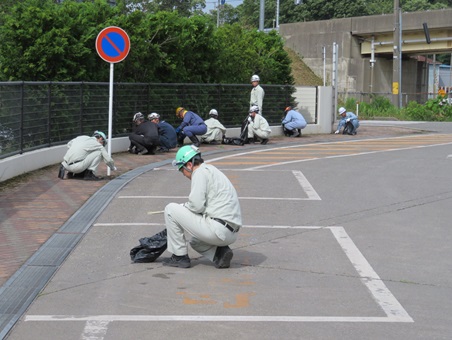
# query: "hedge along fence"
[40,114]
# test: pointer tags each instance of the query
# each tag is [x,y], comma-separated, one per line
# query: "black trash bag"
[150,248]
[232,141]
[348,129]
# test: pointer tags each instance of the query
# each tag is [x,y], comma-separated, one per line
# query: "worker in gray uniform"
[212,215]
[84,156]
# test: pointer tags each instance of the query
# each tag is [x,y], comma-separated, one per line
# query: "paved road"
[343,238]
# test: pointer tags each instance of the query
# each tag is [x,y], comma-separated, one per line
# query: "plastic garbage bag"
[150,248]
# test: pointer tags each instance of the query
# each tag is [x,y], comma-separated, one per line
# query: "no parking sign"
[113,44]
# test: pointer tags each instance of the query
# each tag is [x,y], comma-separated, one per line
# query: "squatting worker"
[191,126]
[167,133]
[349,121]
[84,156]
[212,215]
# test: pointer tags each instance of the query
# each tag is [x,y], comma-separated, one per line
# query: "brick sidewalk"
[33,208]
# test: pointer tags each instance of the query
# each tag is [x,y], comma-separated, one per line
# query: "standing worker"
[145,137]
[215,130]
[257,93]
[191,125]
[212,215]
[84,156]
[349,121]
[167,133]
[293,122]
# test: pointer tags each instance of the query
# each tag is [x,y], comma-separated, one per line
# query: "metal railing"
[43,114]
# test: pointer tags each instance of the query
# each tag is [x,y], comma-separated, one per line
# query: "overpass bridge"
[365,50]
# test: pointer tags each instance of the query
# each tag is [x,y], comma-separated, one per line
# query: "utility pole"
[261,15]
[218,14]
[397,57]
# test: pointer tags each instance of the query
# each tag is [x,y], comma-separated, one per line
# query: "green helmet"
[99,134]
[184,155]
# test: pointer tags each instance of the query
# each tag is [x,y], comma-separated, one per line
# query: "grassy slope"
[301,73]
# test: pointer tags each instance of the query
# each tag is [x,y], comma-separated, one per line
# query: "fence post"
[21,131]
[49,115]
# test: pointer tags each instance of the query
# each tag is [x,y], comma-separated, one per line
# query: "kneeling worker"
[167,133]
[191,126]
[293,122]
[145,137]
[212,215]
[215,130]
[349,121]
[84,155]
[257,126]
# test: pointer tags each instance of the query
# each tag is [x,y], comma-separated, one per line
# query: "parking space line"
[382,296]
[307,187]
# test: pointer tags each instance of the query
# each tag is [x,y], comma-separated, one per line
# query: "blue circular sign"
[113,44]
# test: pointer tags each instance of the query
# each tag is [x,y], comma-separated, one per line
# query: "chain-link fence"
[39,114]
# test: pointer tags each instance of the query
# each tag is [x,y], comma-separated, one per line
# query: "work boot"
[163,149]
[90,176]
[180,140]
[194,140]
[80,175]
[223,257]
[152,150]
[61,172]
[177,261]
[143,151]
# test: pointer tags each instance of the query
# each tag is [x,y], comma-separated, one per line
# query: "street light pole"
[397,57]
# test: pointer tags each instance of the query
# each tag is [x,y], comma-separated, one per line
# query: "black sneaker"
[264,141]
[177,261]
[223,257]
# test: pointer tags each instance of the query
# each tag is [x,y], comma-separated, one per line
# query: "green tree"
[185,8]
[245,52]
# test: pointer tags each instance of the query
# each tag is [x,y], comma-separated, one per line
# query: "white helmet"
[255,78]
[213,113]
[138,116]
[342,110]
[153,115]
[254,108]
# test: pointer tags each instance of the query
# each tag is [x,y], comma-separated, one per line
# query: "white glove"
[336,132]
[115,168]
[347,120]
[250,120]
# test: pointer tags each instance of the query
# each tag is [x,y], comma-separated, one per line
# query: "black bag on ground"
[150,248]
[348,129]
[232,141]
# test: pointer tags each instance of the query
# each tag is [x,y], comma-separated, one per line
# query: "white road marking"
[210,318]
[240,198]
[307,187]
[370,278]
[124,224]
[95,329]
[348,155]
[381,294]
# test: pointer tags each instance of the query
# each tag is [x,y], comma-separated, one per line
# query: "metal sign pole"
[110,113]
